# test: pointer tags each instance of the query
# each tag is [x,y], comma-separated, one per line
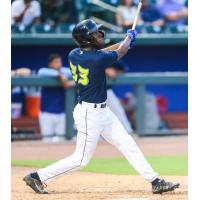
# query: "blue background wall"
[140,59]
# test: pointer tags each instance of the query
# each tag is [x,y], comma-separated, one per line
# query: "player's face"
[56,63]
[99,39]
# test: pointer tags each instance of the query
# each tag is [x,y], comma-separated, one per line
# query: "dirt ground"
[91,186]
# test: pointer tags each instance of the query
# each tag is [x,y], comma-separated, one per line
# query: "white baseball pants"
[52,125]
[91,123]
[116,107]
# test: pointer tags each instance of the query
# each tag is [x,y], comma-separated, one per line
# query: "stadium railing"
[138,80]
[66,39]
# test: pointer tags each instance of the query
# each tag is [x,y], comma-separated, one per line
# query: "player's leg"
[60,127]
[47,132]
[89,127]
[88,135]
[116,107]
[115,134]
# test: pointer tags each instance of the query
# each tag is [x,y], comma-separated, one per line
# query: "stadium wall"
[160,58]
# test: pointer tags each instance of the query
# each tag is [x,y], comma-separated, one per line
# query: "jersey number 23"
[80,74]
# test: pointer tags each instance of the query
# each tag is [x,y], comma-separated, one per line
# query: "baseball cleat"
[35,184]
[162,186]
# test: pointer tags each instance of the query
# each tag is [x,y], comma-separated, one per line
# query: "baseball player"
[92,117]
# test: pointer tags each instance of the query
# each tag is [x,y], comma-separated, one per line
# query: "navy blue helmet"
[82,32]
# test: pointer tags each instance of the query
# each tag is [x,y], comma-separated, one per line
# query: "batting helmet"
[82,32]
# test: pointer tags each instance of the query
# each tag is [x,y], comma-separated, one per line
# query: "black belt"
[103,105]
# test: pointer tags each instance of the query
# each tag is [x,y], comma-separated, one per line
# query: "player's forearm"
[112,47]
[123,47]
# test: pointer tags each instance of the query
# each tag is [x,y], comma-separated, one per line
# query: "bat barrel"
[137,15]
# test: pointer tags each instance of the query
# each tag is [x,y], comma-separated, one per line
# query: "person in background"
[54,12]
[174,11]
[52,115]
[25,12]
[151,15]
[112,100]
[60,11]
[126,13]
[152,120]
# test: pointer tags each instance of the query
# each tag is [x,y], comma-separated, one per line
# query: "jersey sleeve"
[107,58]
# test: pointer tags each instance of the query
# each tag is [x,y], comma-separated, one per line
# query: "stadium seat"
[20,29]
[176,29]
[64,28]
[42,28]
[153,29]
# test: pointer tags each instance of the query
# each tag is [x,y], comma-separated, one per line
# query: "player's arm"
[126,44]
[121,46]
[112,47]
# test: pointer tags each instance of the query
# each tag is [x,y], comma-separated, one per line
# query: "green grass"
[164,165]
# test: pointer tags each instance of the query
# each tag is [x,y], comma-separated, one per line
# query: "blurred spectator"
[112,100]
[59,11]
[18,94]
[52,116]
[150,14]
[174,11]
[25,12]
[126,13]
[152,118]
[23,71]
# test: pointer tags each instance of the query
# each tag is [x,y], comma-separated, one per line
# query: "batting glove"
[132,34]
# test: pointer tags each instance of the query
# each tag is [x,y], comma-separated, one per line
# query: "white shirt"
[53,72]
[32,12]
[127,13]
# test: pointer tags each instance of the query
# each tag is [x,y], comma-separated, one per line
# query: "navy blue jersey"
[88,71]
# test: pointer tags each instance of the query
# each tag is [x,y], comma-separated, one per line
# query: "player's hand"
[62,77]
[132,34]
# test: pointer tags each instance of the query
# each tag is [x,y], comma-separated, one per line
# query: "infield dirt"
[91,186]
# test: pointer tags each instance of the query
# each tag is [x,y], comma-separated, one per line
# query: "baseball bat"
[137,14]
[136,17]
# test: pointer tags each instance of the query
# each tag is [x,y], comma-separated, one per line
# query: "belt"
[93,105]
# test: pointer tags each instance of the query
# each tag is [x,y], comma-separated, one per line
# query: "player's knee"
[80,161]
[84,163]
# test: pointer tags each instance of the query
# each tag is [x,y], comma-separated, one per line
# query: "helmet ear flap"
[102,33]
